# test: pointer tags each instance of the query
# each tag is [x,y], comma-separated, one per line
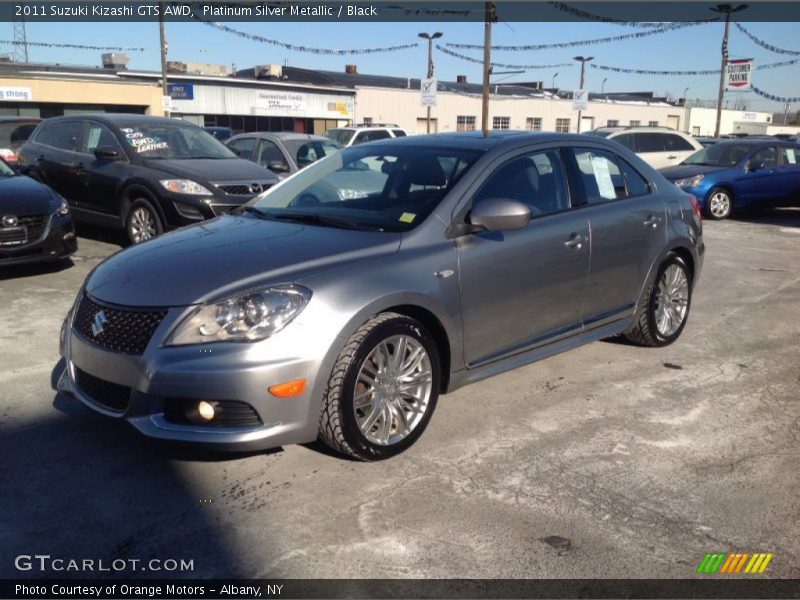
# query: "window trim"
[121,154]
[576,173]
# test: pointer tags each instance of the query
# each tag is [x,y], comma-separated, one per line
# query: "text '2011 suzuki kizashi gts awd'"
[341,303]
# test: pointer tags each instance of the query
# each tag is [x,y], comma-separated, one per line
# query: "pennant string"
[775,98]
[764,44]
[501,65]
[71,46]
[588,16]
[775,65]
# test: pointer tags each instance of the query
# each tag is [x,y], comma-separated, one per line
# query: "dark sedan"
[283,152]
[144,174]
[35,222]
[740,173]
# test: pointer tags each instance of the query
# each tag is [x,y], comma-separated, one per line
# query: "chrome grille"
[125,330]
[243,188]
[26,229]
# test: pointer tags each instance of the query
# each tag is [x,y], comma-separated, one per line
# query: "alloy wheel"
[142,225]
[719,205]
[672,300]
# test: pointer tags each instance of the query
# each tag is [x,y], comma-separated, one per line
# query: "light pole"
[603,86]
[430,38]
[725,9]
[163,39]
[553,86]
[583,60]
[488,19]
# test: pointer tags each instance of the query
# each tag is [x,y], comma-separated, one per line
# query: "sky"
[692,48]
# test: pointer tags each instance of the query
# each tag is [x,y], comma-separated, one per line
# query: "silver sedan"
[313,313]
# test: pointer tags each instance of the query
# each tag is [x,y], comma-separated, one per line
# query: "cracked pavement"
[642,460]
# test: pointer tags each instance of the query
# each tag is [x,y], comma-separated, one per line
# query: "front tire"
[383,389]
[142,222]
[719,204]
[665,307]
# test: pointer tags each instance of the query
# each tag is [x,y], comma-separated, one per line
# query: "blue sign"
[181,91]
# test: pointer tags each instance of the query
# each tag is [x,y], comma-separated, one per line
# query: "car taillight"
[696,207]
[8,155]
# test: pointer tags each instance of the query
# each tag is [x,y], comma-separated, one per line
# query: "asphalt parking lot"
[644,459]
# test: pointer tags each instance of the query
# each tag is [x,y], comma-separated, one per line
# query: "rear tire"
[383,389]
[719,204]
[664,307]
[142,221]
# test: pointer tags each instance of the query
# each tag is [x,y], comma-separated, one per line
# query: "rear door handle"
[652,221]
[672,156]
[575,241]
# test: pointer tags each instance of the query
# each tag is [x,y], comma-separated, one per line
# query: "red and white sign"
[738,75]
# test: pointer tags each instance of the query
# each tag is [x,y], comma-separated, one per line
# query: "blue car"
[734,174]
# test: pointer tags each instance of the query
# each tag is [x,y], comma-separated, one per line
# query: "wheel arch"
[724,185]
[127,198]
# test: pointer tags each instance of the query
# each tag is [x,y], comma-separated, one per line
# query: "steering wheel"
[305,199]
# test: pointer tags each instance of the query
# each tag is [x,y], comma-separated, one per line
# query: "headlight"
[689,182]
[185,186]
[62,210]
[246,318]
[350,194]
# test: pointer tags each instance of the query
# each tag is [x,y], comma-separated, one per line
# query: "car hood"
[212,169]
[217,258]
[684,171]
[23,196]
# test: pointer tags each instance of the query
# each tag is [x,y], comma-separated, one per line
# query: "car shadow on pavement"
[783,217]
[35,269]
[101,234]
[77,485]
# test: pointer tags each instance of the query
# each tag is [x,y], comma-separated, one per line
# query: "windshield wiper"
[318,220]
[253,211]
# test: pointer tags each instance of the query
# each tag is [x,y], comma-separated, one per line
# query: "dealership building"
[273,97]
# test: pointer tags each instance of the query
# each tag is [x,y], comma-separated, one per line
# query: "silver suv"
[659,147]
[314,313]
[360,134]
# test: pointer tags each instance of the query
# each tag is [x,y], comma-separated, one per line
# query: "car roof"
[476,140]
[283,135]
[124,118]
[14,119]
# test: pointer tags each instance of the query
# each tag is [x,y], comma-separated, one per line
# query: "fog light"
[206,410]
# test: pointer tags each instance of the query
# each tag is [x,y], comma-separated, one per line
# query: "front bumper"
[213,372]
[57,242]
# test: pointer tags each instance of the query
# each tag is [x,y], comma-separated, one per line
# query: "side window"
[602,179]
[308,153]
[535,179]
[637,185]
[398,133]
[767,156]
[790,156]
[626,139]
[361,138]
[64,135]
[650,142]
[378,134]
[269,152]
[97,135]
[243,147]
[677,143]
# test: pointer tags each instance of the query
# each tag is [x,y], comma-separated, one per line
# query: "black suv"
[145,174]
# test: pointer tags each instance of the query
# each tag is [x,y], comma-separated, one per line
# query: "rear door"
[627,230]
[789,169]
[522,288]
[56,156]
[678,148]
[651,148]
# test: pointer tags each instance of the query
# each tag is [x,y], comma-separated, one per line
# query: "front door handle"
[575,241]
[652,221]
[672,156]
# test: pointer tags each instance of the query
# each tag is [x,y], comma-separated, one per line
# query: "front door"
[98,179]
[524,287]
[759,181]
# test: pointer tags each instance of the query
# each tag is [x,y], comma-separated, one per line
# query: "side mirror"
[277,166]
[500,214]
[106,153]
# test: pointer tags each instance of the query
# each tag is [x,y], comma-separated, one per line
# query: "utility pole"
[583,60]
[20,41]
[785,113]
[163,37]
[725,9]
[430,39]
[487,66]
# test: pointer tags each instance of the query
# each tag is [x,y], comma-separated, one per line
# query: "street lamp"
[603,86]
[430,38]
[553,86]
[725,9]
[583,60]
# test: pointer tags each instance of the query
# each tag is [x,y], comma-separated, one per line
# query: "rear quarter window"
[63,135]
[676,142]
[650,142]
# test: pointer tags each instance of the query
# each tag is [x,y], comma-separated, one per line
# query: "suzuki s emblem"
[99,323]
[256,188]
[9,221]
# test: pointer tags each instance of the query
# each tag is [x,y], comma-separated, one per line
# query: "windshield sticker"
[791,156]
[407,217]
[603,177]
[142,143]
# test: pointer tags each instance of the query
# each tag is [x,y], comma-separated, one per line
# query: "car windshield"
[167,140]
[5,170]
[719,155]
[13,134]
[306,152]
[341,136]
[382,187]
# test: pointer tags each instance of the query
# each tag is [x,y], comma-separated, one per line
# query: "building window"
[465,123]
[652,123]
[612,123]
[533,123]
[501,122]
[367,120]
[562,125]
[636,123]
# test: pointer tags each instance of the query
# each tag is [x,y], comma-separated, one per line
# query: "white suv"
[350,136]
[660,147]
